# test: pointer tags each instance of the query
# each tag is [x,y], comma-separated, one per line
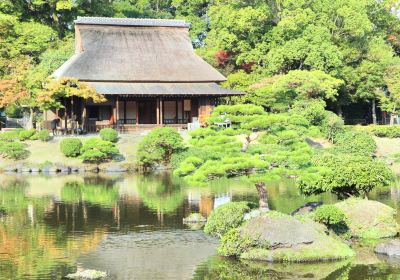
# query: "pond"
[131,227]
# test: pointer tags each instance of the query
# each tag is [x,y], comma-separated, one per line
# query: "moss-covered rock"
[226,217]
[277,237]
[369,219]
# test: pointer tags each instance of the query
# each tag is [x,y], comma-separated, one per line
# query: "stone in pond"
[306,208]
[390,248]
[194,218]
[277,237]
[369,219]
[88,274]
[115,169]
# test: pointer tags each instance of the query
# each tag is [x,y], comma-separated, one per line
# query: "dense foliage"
[279,51]
[96,150]
[329,215]
[158,146]
[109,134]
[390,131]
[13,150]
[355,142]
[226,217]
[71,147]
[345,175]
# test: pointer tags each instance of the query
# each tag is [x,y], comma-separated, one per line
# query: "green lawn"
[45,152]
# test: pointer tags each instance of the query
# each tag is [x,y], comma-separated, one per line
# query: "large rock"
[277,237]
[279,232]
[369,219]
[390,248]
[306,208]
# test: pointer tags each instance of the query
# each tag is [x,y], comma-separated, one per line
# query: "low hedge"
[109,134]
[71,147]
[388,131]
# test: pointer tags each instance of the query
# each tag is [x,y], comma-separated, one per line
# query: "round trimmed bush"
[109,134]
[96,150]
[329,215]
[226,217]
[71,147]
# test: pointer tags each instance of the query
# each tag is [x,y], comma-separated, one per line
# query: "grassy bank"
[42,153]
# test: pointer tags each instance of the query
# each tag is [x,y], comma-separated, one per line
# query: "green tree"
[158,146]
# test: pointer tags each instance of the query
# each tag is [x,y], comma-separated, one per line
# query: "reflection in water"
[131,226]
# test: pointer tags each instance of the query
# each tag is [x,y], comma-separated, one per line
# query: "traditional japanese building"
[146,68]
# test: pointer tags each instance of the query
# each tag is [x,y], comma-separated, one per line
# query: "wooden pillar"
[176,112]
[114,111]
[161,112]
[137,113]
[158,111]
[117,110]
[72,116]
[125,111]
[84,118]
[65,116]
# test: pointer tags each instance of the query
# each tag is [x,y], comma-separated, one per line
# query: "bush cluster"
[13,150]
[71,147]
[109,134]
[24,134]
[389,131]
[355,142]
[96,150]
[329,215]
[226,217]
[158,146]
[344,175]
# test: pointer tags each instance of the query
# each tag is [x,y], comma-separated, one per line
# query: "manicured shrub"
[226,217]
[13,150]
[10,135]
[329,215]
[232,244]
[313,110]
[97,150]
[109,134]
[71,147]
[26,134]
[158,146]
[188,166]
[355,142]
[390,131]
[332,126]
[43,135]
[344,175]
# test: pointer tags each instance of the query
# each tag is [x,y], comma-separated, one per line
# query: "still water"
[131,227]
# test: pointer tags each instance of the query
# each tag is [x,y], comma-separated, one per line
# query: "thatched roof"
[146,89]
[136,50]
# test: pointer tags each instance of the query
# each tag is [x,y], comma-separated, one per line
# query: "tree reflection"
[28,247]
[219,268]
[99,194]
[162,194]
